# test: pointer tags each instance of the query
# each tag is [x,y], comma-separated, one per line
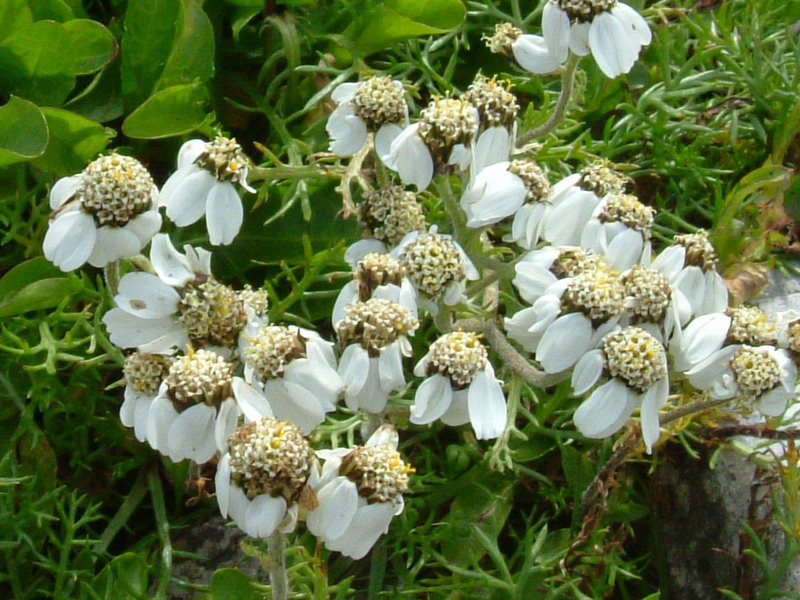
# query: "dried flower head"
[496,105]
[271,348]
[375,324]
[699,251]
[750,325]
[144,372]
[584,10]
[225,159]
[380,100]
[378,472]
[447,122]
[627,210]
[389,213]
[597,293]
[212,313]
[199,377]
[505,34]
[375,270]
[602,180]
[534,178]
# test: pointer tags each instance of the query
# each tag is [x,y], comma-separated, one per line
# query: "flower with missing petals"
[359,492]
[373,336]
[294,368]
[613,32]
[107,212]
[204,185]
[460,387]
[619,229]
[376,104]
[264,476]
[530,51]
[636,363]
[540,269]
[143,374]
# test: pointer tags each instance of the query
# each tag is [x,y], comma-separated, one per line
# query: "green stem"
[290,172]
[276,558]
[567,85]
[111,275]
[162,528]
[124,513]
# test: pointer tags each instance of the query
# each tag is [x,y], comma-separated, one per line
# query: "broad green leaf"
[192,55]
[176,110]
[146,46]
[54,10]
[26,273]
[45,293]
[242,16]
[101,101]
[74,141]
[93,46]
[14,15]
[23,131]
[388,23]
[38,63]
[231,583]
[577,469]
[124,578]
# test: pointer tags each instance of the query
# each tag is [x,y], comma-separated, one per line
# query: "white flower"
[107,212]
[375,104]
[461,387]
[373,335]
[619,229]
[359,492]
[612,31]
[529,50]
[540,269]
[143,374]
[637,364]
[294,368]
[263,476]
[182,304]
[203,185]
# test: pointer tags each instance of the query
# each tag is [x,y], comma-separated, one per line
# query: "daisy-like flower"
[761,375]
[204,185]
[387,215]
[373,335]
[540,269]
[530,51]
[196,408]
[439,139]
[436,266]
[637,365]
[143,374]
[376,104]
[613,32]
[263,476]
[182,304]
[359,492]
[379,276]
[691,262]
[653,303]
[461,386]
[497,111]
[107,212]
[567,321]
[294,368]
[518,188]
[620,230]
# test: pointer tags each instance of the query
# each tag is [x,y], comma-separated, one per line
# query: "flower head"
[750,325]
[497,106]
[390,213]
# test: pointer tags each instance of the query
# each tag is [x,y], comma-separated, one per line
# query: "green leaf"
[45,293]
[14,15]
[55,10]
[577,469]
[38,63]
[93,46]
[101,100]
[146,46]
[174,111]
[23,131]
[192,55]
[26,273]
[398,20]
[74,141]
[124,578]
[230,583]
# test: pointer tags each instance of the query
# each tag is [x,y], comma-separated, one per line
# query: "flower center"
[212,313]
[199,377]
[597,293]
[573,261]
[378,472]
[750,325]
[533,177]
[270,457]
[389,213]
[496,105]
[699,251]
[115,188]
[651,293]
[380,100]
[793,333]
[225,160]
[374,270]
[375,324]
[755,371]
[258,300]
[447,122]
[505,34]
[602,180]
[626,209]
[271,349]
[584,10]
[635,357]
[144,372]
[458,355]
[432,261]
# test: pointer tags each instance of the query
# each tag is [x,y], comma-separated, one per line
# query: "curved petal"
[317,377]
[348,131]
[368,524]
[691,283]
[344,92]
[487,405]
[361,248]
[225,424]
[252,403]
[224,214]
[371,398]
[579,38]
[191,435]
[652,400]
[611,46]
[564,342]
[431,400]
[70,239]
[264,514]
[605,411]
[555,29]
[158,421]
[670,261]
[188,202]
[173,182]
[532,55]
[354,368]
[63,190]
[492,147]
[300,407]
[458,411]
[633,23]
[145,295]
[113,243]
[190,151]
[145,226]
[384,138]
[587,371]
[222,484]
[625,250]
[567,219]
[410,157]
[172,266]
[338,501]
[153,335]
[390,368]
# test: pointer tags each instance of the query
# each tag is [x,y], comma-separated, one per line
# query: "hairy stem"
[276,558]
[567,85]
[111,275]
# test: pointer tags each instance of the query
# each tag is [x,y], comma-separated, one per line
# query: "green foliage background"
[707,123]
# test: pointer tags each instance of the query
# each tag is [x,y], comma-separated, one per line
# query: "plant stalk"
[276,558]
[567,86]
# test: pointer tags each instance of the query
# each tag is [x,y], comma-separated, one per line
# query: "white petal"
[773,403]
[611,46]
[385,434]
[174,181]
[703,336]
[192,434]
[127,410]
[348,131]
[633,23]
[579,38]
[343,92]
[190,151]
[158,421]
[493,146]
[300,407]
[458,411]
[715,296]
[188,202]
[368,524]
[567,219]
[224,213]
[63,190]
[172,266]
[532,55]
[263,515]
[317,377]
[390,368]
[70,239]
[338,501]
[587,371]
[145,226]
[555,28]
[653,399]
[128,331]
[145,295]
[410,157]
[670,261]
[564,342]
[691,283]
[384,138]
[222,484]
[354,369]
[372,398]
[431,400]
[532,281]
[251,402]
[487,405]
[113,243]
[605,411]
[225,423]
[625,250]
[141,410]
[361,248]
